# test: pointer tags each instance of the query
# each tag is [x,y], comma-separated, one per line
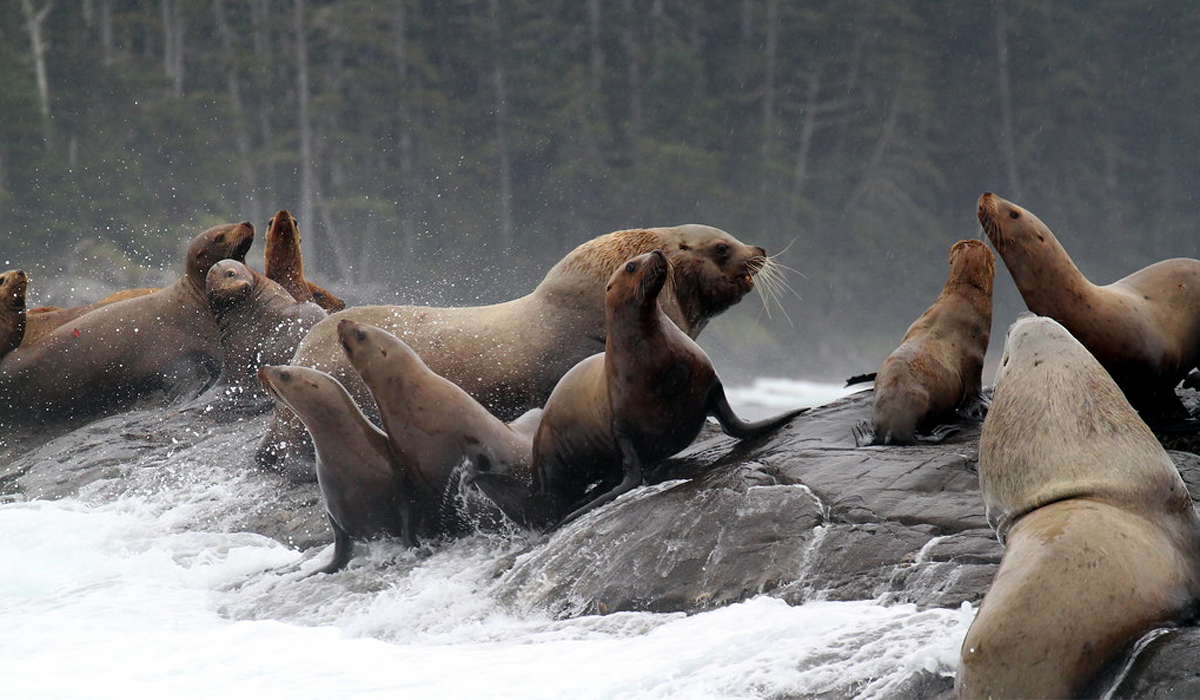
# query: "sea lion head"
[309,392]
[972,265]
[712,272]
[228,283]
[282,245]
[369,348]
[637,282]
[13,285]
[227,241]
[283,227]
[1012,229]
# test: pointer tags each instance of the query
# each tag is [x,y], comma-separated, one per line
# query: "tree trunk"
[1007,141]
[172,14]
[408,186]
[634,73]
[303,119]
[251,207]
[106,31]
[807,129]
[34,21]
[502,145]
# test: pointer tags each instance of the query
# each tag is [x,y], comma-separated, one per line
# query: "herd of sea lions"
[422,422]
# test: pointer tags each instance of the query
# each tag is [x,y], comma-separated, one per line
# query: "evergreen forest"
[450,151]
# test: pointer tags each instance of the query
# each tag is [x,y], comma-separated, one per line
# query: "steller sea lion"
[260,323]
[1102,543]
[44,319]
[1143,328]
[365,496]
[509,356]
[165,340]
[936,374]
[434,427]
[642,400]
[13,284]
[285,265]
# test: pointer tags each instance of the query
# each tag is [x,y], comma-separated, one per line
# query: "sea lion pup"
[285,265]
[260,324]
[1102,543]
[1144,328]
[936,375]
[434,427]
[640,401]
[44,319]
[365,496]
[13,284]
[165,340]
[509,356]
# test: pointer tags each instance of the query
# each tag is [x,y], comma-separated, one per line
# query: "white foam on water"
[782,394]
[114,600]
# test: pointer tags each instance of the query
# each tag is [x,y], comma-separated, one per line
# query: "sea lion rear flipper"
[939,433]
[343,548]
[975,409]
[633,478]
[718,407]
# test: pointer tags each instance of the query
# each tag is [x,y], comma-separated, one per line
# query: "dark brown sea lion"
[285,265]
[1102,543]
[13,285]
[365,496]
[509,356]
[260,323]
[935,376]
[436,429]
[165,340]
[640,401]
[44,319]
[1144,328]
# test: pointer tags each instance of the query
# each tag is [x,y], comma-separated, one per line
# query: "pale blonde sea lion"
[509,356]
[935,377]
[1102,543]
[1144,328]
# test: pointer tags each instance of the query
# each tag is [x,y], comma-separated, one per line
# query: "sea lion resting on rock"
[365,495]
[435,428]
[43,319]
[168,339]
[1102,543]
[509,356]
[1144,328]
[13,284]
[285,265]
[260,324]
[936,374]
[640,401]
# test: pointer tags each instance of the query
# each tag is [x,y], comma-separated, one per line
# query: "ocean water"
[107,596]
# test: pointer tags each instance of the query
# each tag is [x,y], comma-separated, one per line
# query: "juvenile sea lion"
[165,340]
[13,284]
[1144,328]
[260,323]
[434,427]
[44,319]
[509,356]
[1102,543]
[365,496]
[285,265]
[935,376]
[640,401]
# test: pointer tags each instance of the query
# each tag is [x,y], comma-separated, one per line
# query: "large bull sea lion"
[165,340]
[509,356]
[1102,543]
[1144,328]
[935,376]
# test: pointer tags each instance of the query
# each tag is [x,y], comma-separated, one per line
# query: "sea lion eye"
[220,238]
[723,249]
[1014,214]
[630,266]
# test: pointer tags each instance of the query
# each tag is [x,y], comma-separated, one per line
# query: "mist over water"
[149,592]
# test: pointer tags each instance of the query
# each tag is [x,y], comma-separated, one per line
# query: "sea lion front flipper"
[633,478]
[939,434]
[343,548]
[514,499]
[864,433]
[718,407]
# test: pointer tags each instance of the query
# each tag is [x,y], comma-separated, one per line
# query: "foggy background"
[450,151]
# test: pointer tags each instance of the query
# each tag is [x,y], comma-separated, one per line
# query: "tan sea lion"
[285,265]
[935,376]
[44,319]
[509,356]
[165,340]
[13,284]
[1102,543]
[261,324]
[1144,328]
[434,427]
[365,496]
[642,400]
